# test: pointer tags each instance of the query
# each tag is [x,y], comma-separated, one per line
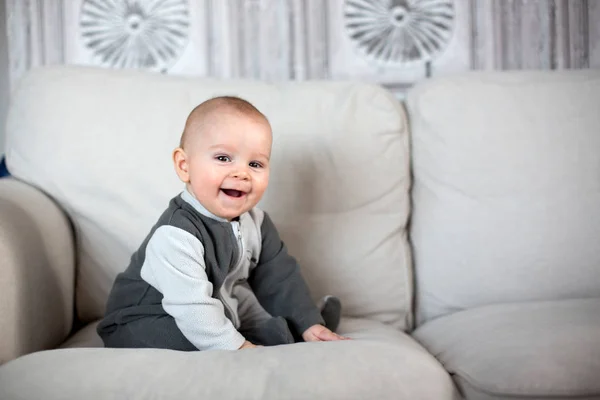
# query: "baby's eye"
[223,158]
[255,164]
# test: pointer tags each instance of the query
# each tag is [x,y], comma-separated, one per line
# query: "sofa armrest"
[37,271]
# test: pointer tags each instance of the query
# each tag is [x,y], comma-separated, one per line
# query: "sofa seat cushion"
[380,363]
[84,337]
[534,350]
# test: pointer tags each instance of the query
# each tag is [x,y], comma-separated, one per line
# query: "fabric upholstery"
[37,268]
[86,336]
[100,143]
[506,189]
[392,363]
[540,350]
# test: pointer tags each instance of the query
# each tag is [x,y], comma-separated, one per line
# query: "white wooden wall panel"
[298,40]
[274,40]
[194,60]
[317,39]
[18,50]
[578,34]
[456,56]
[248,16]
[307,39]
[35,34]
[249,39]
[594,32]
[536,28]
[482,51]
[560,37]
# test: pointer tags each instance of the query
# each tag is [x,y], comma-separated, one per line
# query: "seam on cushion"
[469,379]
[409,267]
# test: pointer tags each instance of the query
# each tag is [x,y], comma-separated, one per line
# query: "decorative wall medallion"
[400,31]
[147,34]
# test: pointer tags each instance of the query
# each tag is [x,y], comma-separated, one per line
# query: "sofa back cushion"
[100,143]
[506,197]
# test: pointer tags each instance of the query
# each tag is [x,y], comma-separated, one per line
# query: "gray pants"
[160,331]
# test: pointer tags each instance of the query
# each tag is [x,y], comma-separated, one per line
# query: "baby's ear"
[181,164]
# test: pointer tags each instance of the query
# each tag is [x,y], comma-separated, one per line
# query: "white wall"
[306,39]
[4,79]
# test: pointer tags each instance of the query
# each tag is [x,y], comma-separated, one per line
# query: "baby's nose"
[240,174]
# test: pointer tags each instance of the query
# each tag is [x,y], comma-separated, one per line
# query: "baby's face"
[228,164]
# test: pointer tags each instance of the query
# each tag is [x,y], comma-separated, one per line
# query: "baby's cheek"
[260,184]
[213,179]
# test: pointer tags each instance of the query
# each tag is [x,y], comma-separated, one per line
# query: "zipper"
[239,244]
[240,247]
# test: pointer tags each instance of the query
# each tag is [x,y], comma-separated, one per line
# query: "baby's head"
[223,156]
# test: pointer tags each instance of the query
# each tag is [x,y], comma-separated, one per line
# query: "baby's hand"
[247,345]
[319,333]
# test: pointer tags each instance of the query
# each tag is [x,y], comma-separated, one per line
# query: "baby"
[213,272]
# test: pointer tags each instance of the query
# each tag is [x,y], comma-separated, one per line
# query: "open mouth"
[233,192]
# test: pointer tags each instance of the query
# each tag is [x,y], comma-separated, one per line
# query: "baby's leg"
[331,311]
[159,332]
[257,325]
[270,332]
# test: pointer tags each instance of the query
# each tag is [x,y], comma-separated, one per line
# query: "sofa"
[460,227]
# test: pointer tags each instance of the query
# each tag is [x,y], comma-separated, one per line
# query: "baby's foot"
[331,311]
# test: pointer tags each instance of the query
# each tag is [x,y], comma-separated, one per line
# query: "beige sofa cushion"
[535,350]
[100,143]
[380,363]
[506,189]
[37,271]
[85,336]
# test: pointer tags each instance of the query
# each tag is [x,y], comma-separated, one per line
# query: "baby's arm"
[319,333]
[248,345]
[174,265]
[279,285]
